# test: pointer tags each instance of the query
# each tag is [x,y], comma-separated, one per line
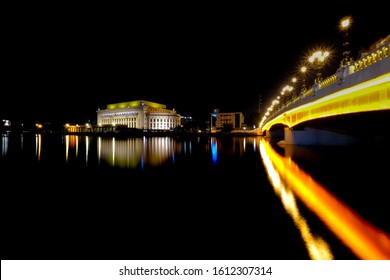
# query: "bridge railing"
[328,81]
[367,60]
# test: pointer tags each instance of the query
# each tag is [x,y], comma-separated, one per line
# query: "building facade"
[139,114]
[218,120]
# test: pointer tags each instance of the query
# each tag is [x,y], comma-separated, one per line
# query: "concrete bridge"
[350,106]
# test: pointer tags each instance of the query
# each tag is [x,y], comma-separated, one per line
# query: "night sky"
[65,62]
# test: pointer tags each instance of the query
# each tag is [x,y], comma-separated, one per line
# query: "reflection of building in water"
[4,145]
[139,114]
[74,143]
[38,145]
[134,152]
[125,153]
[232,145]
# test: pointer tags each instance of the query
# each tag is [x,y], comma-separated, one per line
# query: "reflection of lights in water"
[77,146]
[214,149]
[364,239]
[66,148]
[133,152]
[158,150]
[244,144]
[187,147]
[315,245]
[113,151]
[99,148]
[143,152]
[38,146]
[86,149]
[173,152]
[71,144]
[4,145]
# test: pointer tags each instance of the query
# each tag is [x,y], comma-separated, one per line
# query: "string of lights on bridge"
[315,61]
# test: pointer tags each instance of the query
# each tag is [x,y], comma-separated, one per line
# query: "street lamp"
[345,23]
[303,71]
[317,59]
[294,81]
[286,92]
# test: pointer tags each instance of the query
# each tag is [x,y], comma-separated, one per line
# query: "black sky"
[65,62]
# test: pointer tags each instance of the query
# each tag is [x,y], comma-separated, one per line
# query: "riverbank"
[139,133]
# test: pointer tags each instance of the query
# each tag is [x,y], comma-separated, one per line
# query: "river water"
[194,197]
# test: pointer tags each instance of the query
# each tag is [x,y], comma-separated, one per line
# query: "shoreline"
[139,133]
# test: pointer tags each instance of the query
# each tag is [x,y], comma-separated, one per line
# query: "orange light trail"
[365,240]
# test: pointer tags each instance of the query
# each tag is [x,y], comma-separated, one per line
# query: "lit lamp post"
[303,71]
[285,93]
[287,88]
[294,81]
[317,59]
[345,23]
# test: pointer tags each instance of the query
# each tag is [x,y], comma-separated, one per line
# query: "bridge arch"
[361,91]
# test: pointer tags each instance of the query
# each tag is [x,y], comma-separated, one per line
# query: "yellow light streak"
[368,96]
[317,247]
[365,240]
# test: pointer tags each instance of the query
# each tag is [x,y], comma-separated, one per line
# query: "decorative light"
[303,71]
[317,59]
[345,24]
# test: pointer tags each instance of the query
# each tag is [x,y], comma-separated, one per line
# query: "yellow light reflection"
[66,148]
[99,148]
[133,152]
[364,239]
[113,151]
[38,142]
[317,248]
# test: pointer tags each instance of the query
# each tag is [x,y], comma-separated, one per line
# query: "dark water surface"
[90,197]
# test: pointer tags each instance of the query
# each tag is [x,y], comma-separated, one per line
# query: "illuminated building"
[219,120]
[139,114]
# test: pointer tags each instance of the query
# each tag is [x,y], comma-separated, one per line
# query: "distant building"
[139,114]
[5,126]
[218,120]
[185,120]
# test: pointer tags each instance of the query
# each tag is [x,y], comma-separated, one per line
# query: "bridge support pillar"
[311,136]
